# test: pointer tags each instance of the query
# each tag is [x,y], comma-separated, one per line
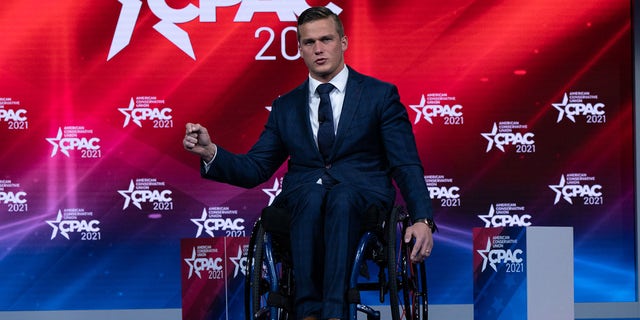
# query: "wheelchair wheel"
[392,234]
[253,288]
[269,284]
[414,282]
[406,284]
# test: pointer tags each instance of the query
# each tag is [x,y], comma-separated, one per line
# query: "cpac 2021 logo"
[573,105]
[573,187]
[433,106]
[161,199]
[524,142]
[212,265]
[493,257]
[88,229]
[230,227]
[287,10]
[139,110]
[89,147]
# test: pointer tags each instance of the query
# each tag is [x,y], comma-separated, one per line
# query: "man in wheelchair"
[346,136]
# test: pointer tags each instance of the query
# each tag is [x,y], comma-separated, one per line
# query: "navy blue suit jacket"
[373,144]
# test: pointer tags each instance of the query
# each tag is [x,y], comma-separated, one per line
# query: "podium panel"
[523,273]
[213,272]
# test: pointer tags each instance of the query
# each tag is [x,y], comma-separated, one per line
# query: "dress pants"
[325,230]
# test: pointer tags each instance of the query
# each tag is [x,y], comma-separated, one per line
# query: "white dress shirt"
[337,100]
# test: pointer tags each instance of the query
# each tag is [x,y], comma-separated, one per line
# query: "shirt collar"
[339,81]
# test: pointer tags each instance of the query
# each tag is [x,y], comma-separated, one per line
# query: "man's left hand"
[423,241]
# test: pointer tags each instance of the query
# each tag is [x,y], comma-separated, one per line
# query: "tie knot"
[324,88]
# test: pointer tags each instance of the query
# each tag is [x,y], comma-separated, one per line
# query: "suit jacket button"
[327,166]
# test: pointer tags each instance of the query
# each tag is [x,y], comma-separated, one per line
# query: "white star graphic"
[558,190]
[487,217]
[54,225]
[189,262]
[419,109]
[237,261]
[561,109]
[485,257]
[127,114]
[56,144]
[490,137]
[200,224]
[127,196]
[274,191]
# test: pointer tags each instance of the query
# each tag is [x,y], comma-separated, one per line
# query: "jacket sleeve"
[402,154]
[256,166]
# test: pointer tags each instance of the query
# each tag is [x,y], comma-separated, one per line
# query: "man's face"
[322,48]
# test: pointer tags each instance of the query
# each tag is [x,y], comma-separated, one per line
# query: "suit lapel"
[352,96]
[304,117]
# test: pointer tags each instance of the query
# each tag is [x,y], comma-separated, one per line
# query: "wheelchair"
[269,285]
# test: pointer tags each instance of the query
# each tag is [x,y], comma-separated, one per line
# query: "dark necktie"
[326,134]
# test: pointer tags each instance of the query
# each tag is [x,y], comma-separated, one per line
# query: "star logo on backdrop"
[54,224]
[485,256]
[561,109]
[490,137]
[558,190]
[274,191]
[190,262]
[127,113]
[487,217]
[127,196]
[419,109]
[238,262]
[55,142]
[200,224]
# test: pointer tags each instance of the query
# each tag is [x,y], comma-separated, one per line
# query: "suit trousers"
[325,230]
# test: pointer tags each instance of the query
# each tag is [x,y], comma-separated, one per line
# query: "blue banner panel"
[500,275]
